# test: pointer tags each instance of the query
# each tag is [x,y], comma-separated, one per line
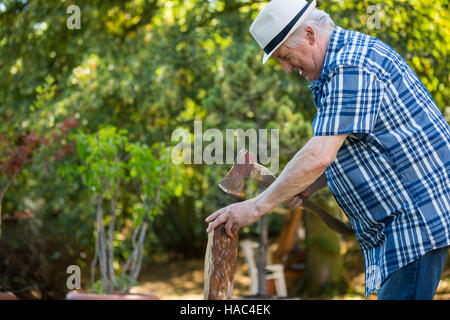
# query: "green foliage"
[101,160]
[107,160]
[154,171]
[107,157]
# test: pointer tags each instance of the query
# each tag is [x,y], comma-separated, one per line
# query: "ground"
[184,280]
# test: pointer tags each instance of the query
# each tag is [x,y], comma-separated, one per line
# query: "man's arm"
[304,169]
[307,166]
[296,201]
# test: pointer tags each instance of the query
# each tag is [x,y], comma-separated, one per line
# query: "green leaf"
[178,190]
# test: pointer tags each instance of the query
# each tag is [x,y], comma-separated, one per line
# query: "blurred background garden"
[87,114]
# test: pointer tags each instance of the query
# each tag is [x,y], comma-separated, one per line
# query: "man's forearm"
[305,168]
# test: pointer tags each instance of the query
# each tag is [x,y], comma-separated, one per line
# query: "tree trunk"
[324,269]
[101,238]
[111,229]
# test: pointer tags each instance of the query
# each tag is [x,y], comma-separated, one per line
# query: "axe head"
[234,181]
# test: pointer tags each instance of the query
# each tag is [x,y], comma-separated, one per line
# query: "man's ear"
[310,35]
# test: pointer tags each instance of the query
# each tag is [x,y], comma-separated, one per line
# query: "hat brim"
[265,58]
[297,24]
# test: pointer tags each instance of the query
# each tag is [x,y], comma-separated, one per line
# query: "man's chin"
[305,76]
[309,77]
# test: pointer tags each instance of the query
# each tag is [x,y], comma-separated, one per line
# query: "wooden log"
[220,262]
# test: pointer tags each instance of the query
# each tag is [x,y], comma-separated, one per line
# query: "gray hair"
[319,20]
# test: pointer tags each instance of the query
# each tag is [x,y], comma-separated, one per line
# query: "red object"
[7,296]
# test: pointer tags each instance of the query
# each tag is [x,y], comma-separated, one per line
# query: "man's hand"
[294,202]
[235,216]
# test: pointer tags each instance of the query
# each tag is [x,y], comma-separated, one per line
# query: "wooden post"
[262,256]
[220,261]
[287,236]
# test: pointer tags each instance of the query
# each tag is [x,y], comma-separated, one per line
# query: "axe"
[246,166]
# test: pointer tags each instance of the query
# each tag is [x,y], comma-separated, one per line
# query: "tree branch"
[139,247]
[111,227]
[102,245]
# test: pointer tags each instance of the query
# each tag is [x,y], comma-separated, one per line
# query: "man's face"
[306,58]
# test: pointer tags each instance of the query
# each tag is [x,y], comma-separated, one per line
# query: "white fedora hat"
[276,22]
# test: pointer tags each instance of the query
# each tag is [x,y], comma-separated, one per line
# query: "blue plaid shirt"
[391,176]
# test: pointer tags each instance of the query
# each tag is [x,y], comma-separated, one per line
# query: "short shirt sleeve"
[349,102]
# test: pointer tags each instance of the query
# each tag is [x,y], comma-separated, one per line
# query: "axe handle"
[334,223]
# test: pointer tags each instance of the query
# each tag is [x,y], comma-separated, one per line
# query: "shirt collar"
[335,44]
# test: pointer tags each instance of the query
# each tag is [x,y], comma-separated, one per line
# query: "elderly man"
[380,144]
